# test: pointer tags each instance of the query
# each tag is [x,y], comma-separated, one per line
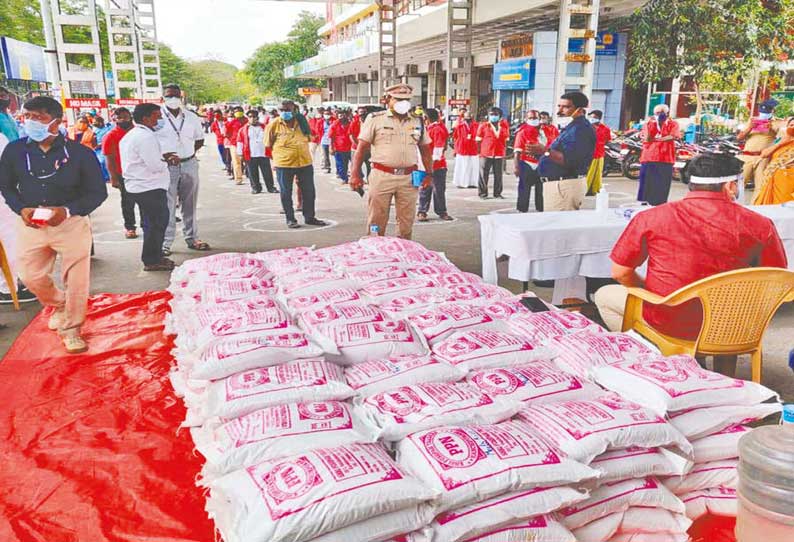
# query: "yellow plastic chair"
[737,308]
[7,274]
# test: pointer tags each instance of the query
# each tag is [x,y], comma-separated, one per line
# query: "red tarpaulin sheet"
[88,444]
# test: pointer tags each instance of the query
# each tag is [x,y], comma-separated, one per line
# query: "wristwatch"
[547,153]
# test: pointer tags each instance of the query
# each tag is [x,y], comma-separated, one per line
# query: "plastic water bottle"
[374,230]
[602,202]
[787,418]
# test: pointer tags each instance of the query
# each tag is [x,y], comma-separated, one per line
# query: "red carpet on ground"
[88,443]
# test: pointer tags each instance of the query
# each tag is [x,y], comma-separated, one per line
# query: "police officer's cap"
[400,91]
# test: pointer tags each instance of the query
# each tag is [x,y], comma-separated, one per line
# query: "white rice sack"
[271,255]
[232,289]
[457,278]
[302,284]
[367,260]
[650,537]
[433,269]
[321,320]
[719,446]
[269,319]
[344,249]
[277,431]
[473,463]
[421,300]
[717,501]
[439,322]
[477,293]
[285,265]
[239,264]
[382,527]
[301,497]
[700,422]
[377,376]
[637,462]
[422,256]
[654,520]
[705,475]
[253,350]
[539,327]
[537,382]
[390,245]
[350,344]
[503,309]
[537,529]
[385,272]
[297,381]
[383,291]
[301,303]
[408,409]
[580,353]
[490,515]
[585,429]
[673,383]
[483,349]
[599,530]
[618,497]
[199,316]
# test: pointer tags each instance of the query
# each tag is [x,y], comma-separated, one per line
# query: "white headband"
[713,180]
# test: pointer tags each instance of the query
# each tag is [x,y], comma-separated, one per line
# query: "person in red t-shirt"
[316,125]
[110,148]
[439,135]
[467,163]
[232,128]
[492,139]
[658,156]
[341,144]
[217,128]
[355,130]
[603,136]
[701,235]
[526,164]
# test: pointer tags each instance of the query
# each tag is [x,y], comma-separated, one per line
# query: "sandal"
[421,217]
[130,234]
[166,252]
[198,245]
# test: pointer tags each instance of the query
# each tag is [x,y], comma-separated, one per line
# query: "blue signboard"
[514,74]
[606,44]
[23,60]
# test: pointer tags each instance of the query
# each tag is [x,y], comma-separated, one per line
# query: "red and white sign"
[136,101]
[86,103]
[456,101]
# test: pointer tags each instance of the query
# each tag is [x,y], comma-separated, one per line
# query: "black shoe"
[293,224]
[256,191]
[543,283]
[483,196]
[177,219]
[500,196]
[23,294]
[272,191]
[315,222]
[299,210]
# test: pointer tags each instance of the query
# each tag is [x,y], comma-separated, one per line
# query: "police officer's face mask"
[402,107]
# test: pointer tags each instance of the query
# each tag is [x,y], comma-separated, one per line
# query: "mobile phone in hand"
[535,304]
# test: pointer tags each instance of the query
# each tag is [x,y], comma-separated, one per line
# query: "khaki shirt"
[394,141]
[290,145]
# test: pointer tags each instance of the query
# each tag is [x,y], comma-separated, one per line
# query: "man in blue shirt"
[563,168]
[53,184]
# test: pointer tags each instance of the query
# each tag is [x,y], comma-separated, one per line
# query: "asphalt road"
[232,219]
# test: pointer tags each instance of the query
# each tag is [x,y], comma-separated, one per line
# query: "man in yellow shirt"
[289,136]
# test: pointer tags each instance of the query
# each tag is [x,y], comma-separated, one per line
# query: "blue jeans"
[437,192]
[342,162]
[305,176]
[527,179]
[153,205]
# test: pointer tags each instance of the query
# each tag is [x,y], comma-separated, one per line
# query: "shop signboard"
[86,103]
[309,91]
[514,74]
[516,47]
[606,44]
[127,102]
[459,101]
[23,60]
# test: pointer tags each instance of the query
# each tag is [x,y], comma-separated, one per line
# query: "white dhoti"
[8,236]
[467,171]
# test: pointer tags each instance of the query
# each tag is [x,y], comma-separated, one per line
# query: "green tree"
[173,68]
[707,39]
[266,66]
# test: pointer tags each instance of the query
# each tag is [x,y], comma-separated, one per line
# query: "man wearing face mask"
[110,148]
[316,122]
[660,134]
[251,144]
[325,139]
[53,184]
[563,167]
[467,163]
[180,137]
[232,128]
[8,127]
[759,134]
[391,138]
[341,145]
[355,130]
[526,164]
[603,136]
[701,235]
[492,140]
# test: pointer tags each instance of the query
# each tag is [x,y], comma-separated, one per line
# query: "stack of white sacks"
[373,392]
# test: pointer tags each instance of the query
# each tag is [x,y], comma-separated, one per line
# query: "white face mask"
[402,107]
[173,102]
[593,120]
[564,121]
[533,122]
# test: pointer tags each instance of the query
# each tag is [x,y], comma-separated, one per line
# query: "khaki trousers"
[611,303]
[237,163]
[753,169]
[565,195]
[382,188]
[37,250]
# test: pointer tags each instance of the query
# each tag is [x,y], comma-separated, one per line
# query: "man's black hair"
[496,110]
[597,113]
[238,108]
[288,102]
[432,114]
[544,114]
[142,111]
[44,104]
[577,98]
[712,164]
[173,86]
[120,110]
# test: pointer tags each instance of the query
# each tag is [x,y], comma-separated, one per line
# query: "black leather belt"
[550,180]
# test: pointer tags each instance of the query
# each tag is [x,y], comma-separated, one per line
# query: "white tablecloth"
[570,244]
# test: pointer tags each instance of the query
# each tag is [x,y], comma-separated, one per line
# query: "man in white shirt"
[180,138]
[147,180]
[251,146]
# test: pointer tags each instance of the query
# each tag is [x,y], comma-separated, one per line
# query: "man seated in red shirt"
[492,138]
[437,191]
[341,144]
[701,235]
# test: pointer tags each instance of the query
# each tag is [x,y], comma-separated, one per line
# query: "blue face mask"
[287,115]
[38,131]
[764,116]
[160,125]
[493,118]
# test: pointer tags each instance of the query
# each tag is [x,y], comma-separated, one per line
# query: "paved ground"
[232,219]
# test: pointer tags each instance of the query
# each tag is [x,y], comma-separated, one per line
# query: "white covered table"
[573,244]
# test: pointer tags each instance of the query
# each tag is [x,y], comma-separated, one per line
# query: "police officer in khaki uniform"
[391,139]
